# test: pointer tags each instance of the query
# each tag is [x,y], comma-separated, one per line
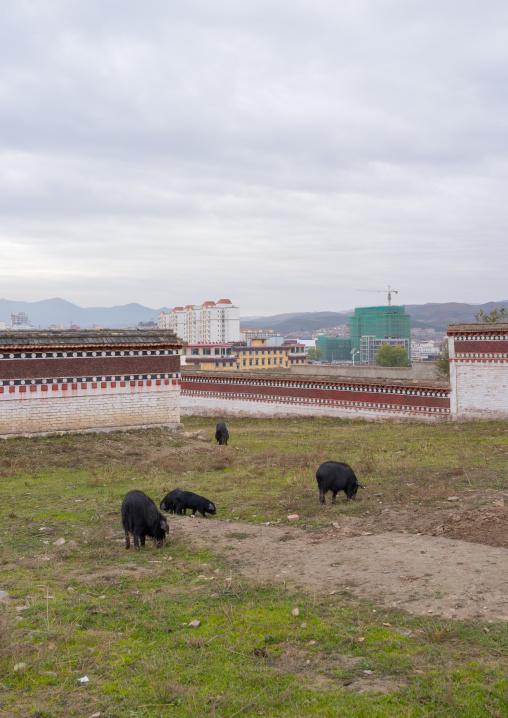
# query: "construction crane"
[390,292]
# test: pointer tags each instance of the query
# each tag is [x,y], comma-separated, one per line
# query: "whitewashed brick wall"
[80,410]
[217,407]
[479,378]
[479,390]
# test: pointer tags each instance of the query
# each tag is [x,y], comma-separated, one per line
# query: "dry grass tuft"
[5,636]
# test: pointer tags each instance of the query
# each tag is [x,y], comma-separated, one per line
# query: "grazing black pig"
[183,500]
[335,476]
[168,503]
[221,434]
[141,518]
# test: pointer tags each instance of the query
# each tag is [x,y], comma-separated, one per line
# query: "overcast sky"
[280,153]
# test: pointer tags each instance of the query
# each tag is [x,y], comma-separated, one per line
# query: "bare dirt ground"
[451,562]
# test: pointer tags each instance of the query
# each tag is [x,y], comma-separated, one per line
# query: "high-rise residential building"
[208,323]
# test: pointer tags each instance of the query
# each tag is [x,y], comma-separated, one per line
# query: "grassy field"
[89,608]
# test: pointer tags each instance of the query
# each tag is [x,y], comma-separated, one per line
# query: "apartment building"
[258,356]
[207,323]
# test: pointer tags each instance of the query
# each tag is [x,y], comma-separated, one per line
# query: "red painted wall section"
[466,346]
[88,366]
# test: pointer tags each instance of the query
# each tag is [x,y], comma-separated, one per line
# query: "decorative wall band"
[471,355]
[87,379]
[481,359]
[479,337]
[88,354]
[319,402]
[337,386]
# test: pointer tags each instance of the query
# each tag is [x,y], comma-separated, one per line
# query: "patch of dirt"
[421,574]
[487,524]
[293,660]
[478,517]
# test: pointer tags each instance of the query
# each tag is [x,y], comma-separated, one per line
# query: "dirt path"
[417,573]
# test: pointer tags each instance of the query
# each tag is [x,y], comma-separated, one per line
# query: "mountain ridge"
[59,311]
[42,314]
[432,315]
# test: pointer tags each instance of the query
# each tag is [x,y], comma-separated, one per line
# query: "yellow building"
[257,356]
[220,363]
[260,356]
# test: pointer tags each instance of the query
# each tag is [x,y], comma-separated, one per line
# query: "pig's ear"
[164,526]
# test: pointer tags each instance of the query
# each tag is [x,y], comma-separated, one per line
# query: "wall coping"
[47,338]
[477,329]
[262,376]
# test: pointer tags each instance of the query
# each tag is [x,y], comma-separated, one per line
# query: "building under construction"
[369,329]
[334,348]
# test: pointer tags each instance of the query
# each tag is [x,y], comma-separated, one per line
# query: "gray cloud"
[283,154]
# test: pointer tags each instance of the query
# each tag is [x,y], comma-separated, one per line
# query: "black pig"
[221,434]
[335,476]
[141,518]
[179,501]
[168,503]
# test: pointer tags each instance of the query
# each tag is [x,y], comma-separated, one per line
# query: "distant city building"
[428,334]
[209,322]
[247,333]
[334,348]
[308,342]
[425,350]
[3,326]
[56,327]
[257,356]
[371,327]
[192,353]
[370,345]
[147,325]
[20,321]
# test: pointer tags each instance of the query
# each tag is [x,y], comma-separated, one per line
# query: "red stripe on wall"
[88,366]
[481,347]
[328,394]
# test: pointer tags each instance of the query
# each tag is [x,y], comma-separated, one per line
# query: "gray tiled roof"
[84,337]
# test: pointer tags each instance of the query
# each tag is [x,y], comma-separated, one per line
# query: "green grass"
[121,617]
